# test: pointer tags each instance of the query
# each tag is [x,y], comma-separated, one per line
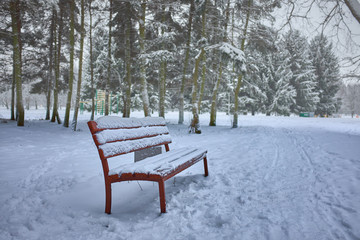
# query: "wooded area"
[195,55]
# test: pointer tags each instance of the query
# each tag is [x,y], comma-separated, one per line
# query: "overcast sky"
[346,37]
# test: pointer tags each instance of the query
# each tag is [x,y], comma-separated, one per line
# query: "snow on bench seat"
[162,164]
[114,122]
[118,148]
[110,135]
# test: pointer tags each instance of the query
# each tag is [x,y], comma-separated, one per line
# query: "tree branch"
[354,7]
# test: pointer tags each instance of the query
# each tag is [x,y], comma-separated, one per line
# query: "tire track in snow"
[326,209]
[319,214]
[334,198]
[276,183]
[275,159]
[300,148]
[284,184]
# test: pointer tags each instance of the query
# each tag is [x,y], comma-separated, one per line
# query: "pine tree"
[327,74]
[279,93]
[303,79]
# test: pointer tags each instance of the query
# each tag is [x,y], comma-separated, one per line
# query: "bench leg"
[108,198]
[162,196]
[206,167]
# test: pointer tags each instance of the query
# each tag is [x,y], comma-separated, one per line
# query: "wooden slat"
[113,135]
[162,164]
[113,122]
[118,148]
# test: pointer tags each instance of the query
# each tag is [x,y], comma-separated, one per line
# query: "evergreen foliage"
[303,79]
[327,75]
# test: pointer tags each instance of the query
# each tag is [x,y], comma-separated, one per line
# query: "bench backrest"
[115,136]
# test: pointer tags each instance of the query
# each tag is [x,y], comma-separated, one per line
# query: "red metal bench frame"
[109,179]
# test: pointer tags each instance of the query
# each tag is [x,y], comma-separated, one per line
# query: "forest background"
[196,55]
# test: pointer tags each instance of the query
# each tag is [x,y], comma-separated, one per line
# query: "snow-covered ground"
[271,178]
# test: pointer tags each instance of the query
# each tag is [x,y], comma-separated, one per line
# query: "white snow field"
[271,178]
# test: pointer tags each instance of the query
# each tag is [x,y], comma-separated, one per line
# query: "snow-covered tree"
[327,74]
[279,93]
[303,79]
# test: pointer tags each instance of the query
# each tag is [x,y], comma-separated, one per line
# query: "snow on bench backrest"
[116,136]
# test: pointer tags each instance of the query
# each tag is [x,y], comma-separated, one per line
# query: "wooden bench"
[114,136]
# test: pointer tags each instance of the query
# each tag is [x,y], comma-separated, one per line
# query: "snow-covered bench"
[115,136]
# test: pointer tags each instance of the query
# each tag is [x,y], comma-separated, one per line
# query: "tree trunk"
[55,114]
[238,84]
[203,76]
[144,92]
[78,90]
[202,85]
[186,62]
[16,30]
[13,90]
[195,124]
[51,66]
[162,88]
[162,82]
[71,72]
[236,102]
[214,96]
[107,87]
[127,103]
[91,66]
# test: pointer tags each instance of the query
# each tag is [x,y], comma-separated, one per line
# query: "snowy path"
[267,181]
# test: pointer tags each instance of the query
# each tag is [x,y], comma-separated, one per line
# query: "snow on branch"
[231,53]
[165,54]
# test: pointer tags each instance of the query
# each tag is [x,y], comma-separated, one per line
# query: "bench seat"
[163,164]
